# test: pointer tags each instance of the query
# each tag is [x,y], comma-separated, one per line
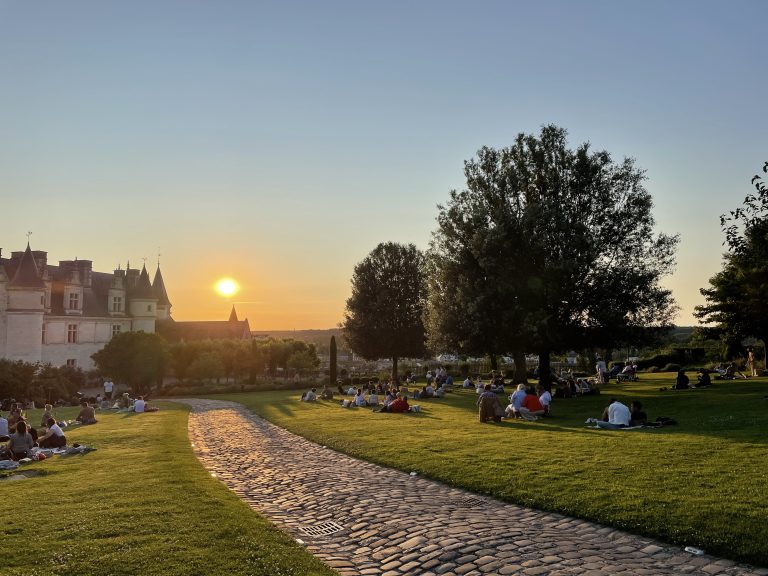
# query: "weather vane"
[158,256]
[28,235]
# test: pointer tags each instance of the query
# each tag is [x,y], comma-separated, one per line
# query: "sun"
[227,287]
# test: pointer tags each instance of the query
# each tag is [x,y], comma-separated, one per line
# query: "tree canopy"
[737,297]
[383,317]
[546,249]
[138,359]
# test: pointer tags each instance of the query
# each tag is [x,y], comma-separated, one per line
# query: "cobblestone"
[393,523]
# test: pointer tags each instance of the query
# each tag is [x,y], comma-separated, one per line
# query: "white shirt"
[545,398]
[138,406]
[56,430]
[467,383]
[601,366]
[618,414]
[310,396]
[360,400]
[373,399]
[3,426]
[108,386]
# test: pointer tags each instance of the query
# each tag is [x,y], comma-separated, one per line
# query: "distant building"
[232,329]
[63,314]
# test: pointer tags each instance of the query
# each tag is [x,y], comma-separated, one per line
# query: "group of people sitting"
[525,403]
[20,437]
[617,415]
[382,397]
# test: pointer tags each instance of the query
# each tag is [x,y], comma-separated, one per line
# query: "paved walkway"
[364,519]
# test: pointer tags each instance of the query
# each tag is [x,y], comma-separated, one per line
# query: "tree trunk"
[545,371]
[394,370]
[521,369]
[494,361]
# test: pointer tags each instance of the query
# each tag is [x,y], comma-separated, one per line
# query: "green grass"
[701,483]
[140,504]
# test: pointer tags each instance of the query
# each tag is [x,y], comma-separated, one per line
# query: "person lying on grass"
[54,437]
[87,414]
[20,443]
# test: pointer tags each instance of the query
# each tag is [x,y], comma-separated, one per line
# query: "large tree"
[137,359]
[737,297]
[547,248]
[384,314]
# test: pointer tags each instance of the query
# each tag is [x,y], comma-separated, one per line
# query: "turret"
[142,304]
[26,304]
[158,289]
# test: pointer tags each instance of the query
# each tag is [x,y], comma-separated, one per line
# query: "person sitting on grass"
[20,443]
[531,407]
[309,396]
[48,413]
[125,401]
[704,379]
[489,406]
[732,370]
[398,405]
[360,398]
[373,398]
[440,392]
[636,415]
[327,393]
[682,381]
[468,383]
[545,398]
[615,416]
[87,414]
[515,402]
[3,429]
[54,437]
[15,416]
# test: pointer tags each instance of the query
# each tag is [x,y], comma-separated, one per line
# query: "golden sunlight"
[227,287]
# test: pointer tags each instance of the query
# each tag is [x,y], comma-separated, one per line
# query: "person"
[704,379]
[615,416]
[531,407]
[311,396]
[48,413]
[440,392]
[20,443]
[87,414]
[751,362]
[360,398]
[139,405]
[399,404]
[489,407]
[125,401]
[108,387]
[545,398]
[468,383]
[732,370]
[636,415]
[327,393]
[682,381]
[516,401]
[54,437]
[373,398]
[15,415]
[601,371]
[3,429]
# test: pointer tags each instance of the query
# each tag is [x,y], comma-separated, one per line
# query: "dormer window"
[117,304]
[74,301]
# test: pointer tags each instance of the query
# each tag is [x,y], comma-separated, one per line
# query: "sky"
[278,143]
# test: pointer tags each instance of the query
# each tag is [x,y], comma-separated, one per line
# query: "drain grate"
[469,502]
[322,529]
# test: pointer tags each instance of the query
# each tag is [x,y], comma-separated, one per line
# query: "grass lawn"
[702,483]
[141,504]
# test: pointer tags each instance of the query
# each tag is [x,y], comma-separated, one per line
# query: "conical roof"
[143,287]
[27,275]
[158,289]
[233,314]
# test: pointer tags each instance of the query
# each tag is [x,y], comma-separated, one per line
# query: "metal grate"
[469,502]
[322,529]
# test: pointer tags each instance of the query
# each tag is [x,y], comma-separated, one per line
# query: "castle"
[63,314]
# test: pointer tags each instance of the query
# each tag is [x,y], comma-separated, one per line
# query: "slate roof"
[26,274]
[174,331]
[158,289]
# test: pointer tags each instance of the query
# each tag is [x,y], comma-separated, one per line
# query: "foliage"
[207,366]
[546,249]
[16,378]
[146,497]
[303,361]
[137,359]
[698,483]
[53,383]
[383,316]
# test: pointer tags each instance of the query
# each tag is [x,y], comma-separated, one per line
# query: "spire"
[27,275]
[158,288]
[143,287]
[233,315]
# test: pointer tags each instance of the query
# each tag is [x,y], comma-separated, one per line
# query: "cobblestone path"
[337,505]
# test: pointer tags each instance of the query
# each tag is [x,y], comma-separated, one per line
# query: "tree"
[333,362]
[383,317]
[303,361]
[737,297]
[547,249]
[138,359]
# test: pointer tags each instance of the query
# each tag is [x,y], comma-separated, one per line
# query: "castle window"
[72,333]
[117,304]
[115,330]
[149,308]
[74,301]
[43,340]
[71,362]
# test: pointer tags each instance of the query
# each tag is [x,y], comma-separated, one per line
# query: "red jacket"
[531,401]
[399,405]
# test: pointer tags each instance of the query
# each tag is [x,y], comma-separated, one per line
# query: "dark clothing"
[638,418]
[54,442]
[682,382]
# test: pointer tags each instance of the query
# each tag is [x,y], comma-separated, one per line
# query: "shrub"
[671,367]
[651,369]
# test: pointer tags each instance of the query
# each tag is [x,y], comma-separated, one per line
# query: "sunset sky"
[277,143]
